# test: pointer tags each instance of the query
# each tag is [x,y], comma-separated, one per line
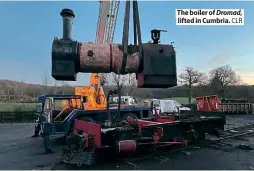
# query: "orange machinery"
[93,95]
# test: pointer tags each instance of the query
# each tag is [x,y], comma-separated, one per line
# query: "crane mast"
[111,21]
[108,12]
[102,21]
[107,17]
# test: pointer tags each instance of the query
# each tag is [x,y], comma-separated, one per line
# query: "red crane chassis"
[132,134]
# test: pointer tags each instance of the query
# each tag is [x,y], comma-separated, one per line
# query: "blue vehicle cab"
[40,109]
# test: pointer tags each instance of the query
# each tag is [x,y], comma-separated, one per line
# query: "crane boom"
[111,21]
[106,24]
[108,12]
[102,21]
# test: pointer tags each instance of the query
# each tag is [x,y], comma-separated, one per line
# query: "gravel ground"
[19,151]
[201,159]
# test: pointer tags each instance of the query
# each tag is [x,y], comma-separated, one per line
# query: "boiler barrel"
[106,58]
[72,57]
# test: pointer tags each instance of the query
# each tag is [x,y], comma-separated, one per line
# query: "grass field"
[5,107]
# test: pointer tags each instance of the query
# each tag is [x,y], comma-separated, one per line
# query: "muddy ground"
[19,151]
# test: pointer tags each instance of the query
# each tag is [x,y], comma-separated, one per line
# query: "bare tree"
[45,81]
[63,83]
[19,90]
[189,77]
[204,83]
[64,86]
[223,77]
[125,83]
[45,78]
[118,80]
[131,84]
[55,87]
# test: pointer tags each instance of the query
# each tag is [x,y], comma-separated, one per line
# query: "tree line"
[222,81]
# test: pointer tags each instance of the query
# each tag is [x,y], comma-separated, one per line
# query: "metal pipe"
[68,16]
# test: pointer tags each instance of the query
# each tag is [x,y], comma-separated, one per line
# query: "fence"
[18,116]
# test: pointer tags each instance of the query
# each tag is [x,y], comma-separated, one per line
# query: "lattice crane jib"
[107,18]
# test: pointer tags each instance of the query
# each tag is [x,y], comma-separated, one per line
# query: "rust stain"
[106,58]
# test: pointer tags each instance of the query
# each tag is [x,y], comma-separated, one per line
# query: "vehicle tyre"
[125,116]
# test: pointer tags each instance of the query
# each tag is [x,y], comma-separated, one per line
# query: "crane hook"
[155,35]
